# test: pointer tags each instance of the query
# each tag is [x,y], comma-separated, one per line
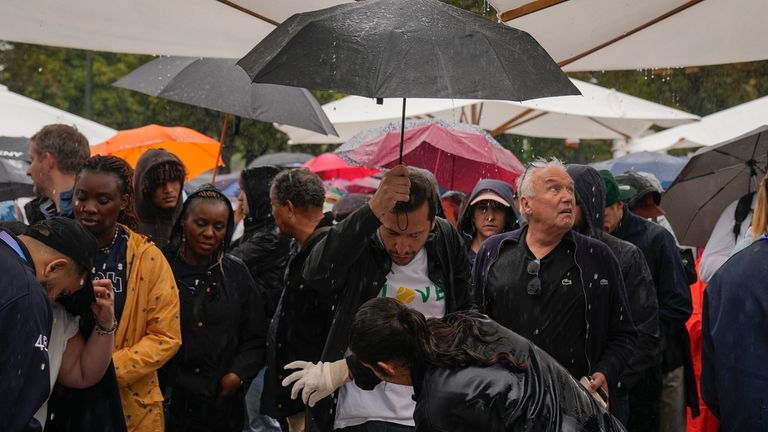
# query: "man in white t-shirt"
[394,246]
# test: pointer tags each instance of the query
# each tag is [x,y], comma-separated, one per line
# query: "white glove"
[316,380]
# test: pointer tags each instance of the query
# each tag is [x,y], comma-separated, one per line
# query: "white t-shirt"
[389,402]
[63,328]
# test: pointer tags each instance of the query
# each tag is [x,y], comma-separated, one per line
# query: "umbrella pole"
[402,133]
[223,137]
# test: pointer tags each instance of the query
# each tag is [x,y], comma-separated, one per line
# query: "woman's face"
[97,203]
[205,226]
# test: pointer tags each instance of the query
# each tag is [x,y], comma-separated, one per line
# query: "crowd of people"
[559,303]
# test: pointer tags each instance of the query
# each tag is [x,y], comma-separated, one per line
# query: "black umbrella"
[406,48]
[713,178]
[14,161]
[220,85]
[281,160]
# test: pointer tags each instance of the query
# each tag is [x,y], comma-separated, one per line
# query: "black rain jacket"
[500,188]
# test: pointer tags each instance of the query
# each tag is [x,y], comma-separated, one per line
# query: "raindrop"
[535,332]
[42,366]
[595,273]
[40,69]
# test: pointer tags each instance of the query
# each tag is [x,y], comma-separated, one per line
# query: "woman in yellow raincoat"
[146,298]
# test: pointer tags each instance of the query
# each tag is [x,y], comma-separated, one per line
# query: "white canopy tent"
[711,130]
[589,35]
[196,28]
[599,113]
[22,116]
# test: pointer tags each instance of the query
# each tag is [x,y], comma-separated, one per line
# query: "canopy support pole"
[222,138]
[402,133]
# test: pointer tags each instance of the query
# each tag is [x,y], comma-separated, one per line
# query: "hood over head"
[590,197]
[256,183]
[154,222]
[500,188]
[206,191]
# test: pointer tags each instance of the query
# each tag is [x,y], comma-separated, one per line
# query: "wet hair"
[208,193]
[760,213]
[301,187]
[525,182]
[160,174]
[422,190]
[384,330]
[68,146]
[124,174]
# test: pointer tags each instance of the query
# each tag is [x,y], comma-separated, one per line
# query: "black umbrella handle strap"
[402,133]
[743,208]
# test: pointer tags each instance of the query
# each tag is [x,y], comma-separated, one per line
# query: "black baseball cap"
[68,237]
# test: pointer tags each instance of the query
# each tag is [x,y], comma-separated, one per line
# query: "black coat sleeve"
[251,352]
[674,294]
[458,267]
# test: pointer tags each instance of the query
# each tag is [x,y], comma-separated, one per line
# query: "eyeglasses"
[534,286]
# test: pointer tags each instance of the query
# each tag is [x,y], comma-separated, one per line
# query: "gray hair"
[525,182]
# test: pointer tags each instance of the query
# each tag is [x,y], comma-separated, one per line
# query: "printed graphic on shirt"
[406,295]
[117,281]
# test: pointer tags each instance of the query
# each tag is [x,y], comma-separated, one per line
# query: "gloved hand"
[316,380]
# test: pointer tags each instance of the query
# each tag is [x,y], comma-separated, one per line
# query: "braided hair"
[206,192]
[384,329]
[124,174]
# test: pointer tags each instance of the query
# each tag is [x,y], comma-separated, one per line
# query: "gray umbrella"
[220,85]
[281,160]
[14,161]
[713,178]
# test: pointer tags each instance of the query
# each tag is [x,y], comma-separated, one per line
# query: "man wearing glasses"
[558,288]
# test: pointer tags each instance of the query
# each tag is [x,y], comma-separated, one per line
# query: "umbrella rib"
[507,124]
[528,9]
[710,199]
[639,28]
[249,12]
[610,128]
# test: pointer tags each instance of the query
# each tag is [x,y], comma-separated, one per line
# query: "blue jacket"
[734,376]
[25,326]
[611,335]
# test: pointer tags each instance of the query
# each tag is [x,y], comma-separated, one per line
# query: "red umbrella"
[330,166]
[457,154]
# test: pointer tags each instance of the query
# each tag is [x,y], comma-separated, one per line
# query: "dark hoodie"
[154,223]
[263,250]
[641,292]
[223,327]
[466,225]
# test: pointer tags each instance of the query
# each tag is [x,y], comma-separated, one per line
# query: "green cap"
[615,192]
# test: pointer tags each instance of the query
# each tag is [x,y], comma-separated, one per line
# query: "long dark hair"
[384,329]
[124,173]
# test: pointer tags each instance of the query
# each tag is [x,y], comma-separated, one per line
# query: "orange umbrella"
[198,152]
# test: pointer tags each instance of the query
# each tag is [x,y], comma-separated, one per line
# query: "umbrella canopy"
[630,34]
[281,160]
[14,161]
[199,28]
[22,116]
[600,113]
[329,166]
[198,152]
[221,85]
[457,154]
[405,48]
[713,178]
[15,148]
[663,166]
[711,130]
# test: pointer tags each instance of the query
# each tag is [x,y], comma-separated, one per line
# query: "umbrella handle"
[402,132]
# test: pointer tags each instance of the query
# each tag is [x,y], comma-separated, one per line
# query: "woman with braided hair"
[468,373]
[223,320]
[146,299]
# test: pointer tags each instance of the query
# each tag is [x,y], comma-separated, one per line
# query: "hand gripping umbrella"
[406,48]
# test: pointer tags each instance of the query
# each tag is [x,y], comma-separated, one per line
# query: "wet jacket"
[148,334]
[154,223]
[351,263]
[263,250]
[641,292]
[537,394]
[611,335]
[466,225]
[734,383]
[298,329]
[672,291]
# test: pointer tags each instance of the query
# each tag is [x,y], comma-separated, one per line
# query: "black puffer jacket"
[351,263]
[641,292]
[154,223]
[466,225]
[263,250]
[539,396]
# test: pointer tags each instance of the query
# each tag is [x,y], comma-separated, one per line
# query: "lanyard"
[10,241]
